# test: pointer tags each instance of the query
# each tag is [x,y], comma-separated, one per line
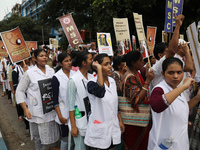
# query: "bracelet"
[144,88]
[146,83]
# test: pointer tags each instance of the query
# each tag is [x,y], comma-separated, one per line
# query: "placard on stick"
[3,52]
[32,45]
[194,45]
[15,45]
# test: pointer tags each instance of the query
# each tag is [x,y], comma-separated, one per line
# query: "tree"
[80,9]
[97,15]
[30,29]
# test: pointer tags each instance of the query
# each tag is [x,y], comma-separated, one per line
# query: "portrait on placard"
[104,43]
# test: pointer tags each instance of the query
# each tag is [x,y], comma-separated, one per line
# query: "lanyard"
[21,70]
[83,83]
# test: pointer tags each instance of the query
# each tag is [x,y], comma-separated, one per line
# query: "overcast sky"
[6,6]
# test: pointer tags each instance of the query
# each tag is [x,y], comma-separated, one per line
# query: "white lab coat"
[62,96]
[172,122]
[29,84]
[104,110]
[81,85]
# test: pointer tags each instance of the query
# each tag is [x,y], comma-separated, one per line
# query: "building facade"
[31,9]
[17,9]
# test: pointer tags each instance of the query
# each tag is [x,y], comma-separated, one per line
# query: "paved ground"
[12,130]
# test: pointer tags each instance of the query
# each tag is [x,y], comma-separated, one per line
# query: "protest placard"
[3,52]
[104,43]
[46,95]
[141,35]
[169,16]
[32,45]
[198,31]
[177,8]
[134,42]
[139,27]
[151,36]
[122,34]
[181,36]
[70,30]
[194,45]
[15,45]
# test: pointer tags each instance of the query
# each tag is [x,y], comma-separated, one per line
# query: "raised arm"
[189,67]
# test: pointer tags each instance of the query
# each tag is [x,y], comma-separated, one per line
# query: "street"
[12,130]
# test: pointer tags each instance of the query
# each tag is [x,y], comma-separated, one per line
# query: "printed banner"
[139,27]
[32,45]
[15,45]
[53,43]
[177,8]
[104,43]
[169,16]
[3,52]
[134,42]
[163,36]
[194,45]
[181,36]
[71,30]
[46,95]
[151,36]
[122,35]
[141,35]
[198,30]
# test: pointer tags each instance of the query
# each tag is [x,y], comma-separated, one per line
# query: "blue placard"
[169,16]
[177,8]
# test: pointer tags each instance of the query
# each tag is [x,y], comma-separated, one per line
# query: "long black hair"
[61,57]
[79,58]
[131,57]
[169,61]
[117,60]
[37,52]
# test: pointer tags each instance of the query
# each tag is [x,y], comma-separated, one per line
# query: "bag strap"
[128,75]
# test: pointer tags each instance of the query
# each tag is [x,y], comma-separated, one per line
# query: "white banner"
[194,45]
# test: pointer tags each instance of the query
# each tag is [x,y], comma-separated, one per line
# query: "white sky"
[6,6]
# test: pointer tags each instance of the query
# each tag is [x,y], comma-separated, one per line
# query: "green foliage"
[97,15]
[30,29]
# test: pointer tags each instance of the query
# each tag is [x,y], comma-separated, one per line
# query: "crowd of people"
[102,102]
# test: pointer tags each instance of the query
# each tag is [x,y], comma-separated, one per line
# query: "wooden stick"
[24,63]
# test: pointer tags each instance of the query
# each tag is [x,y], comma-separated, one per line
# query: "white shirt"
[80,83]
[104,110]
[29,84]
[172,122]
[62,96]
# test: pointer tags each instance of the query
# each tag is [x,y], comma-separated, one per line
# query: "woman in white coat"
[43,128]
[105,123]
[77,94]
[60,101]
[170,109]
